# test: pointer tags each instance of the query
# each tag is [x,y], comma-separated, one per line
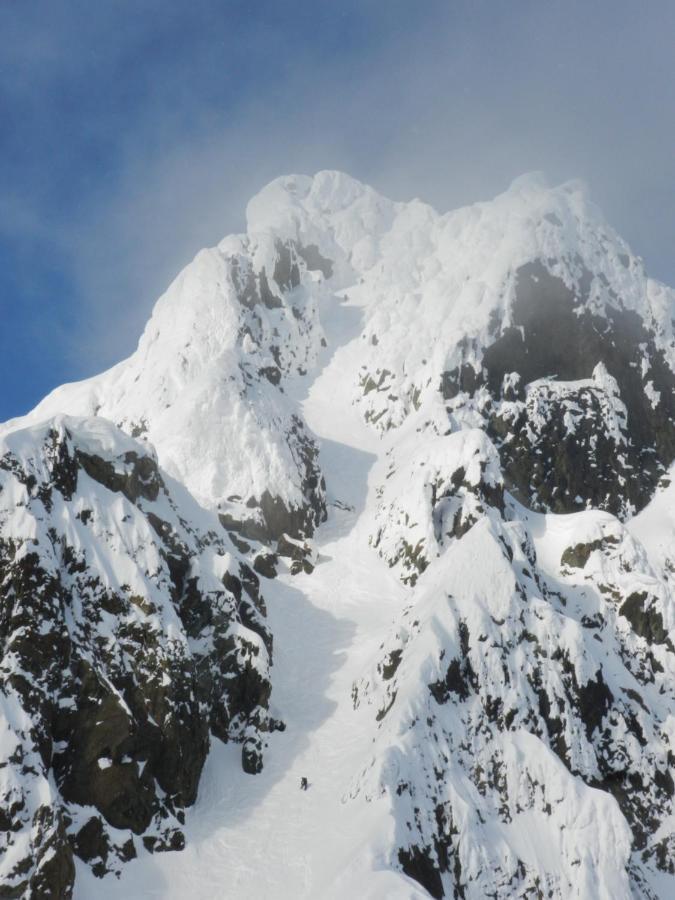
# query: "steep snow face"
[131,629]
[205,385]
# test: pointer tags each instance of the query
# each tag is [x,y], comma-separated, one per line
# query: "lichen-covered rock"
[131,630]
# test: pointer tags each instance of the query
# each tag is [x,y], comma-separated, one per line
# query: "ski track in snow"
[262,836]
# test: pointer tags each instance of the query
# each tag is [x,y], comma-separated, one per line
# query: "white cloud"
[450,106]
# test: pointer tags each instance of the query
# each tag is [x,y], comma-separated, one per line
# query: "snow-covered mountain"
[440,446]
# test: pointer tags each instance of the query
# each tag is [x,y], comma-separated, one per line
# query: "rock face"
[566,443]
[536,324]
[131,631]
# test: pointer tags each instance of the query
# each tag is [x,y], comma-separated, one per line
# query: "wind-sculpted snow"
[481,302]
[131,631]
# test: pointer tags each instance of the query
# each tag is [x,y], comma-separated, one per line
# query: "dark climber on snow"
[304,784]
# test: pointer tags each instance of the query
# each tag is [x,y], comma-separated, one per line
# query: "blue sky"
[132,132]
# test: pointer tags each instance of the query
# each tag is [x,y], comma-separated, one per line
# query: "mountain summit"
[440,446]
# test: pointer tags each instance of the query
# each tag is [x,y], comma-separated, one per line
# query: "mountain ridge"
[444,441]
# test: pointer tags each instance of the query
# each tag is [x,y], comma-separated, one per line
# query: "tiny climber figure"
[304,784]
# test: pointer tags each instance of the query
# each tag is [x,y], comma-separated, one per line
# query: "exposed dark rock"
[265,564]
[61,463]
[314,261]
[53,867]
[463,379]
[271,373]
[644,618]
[140,477]
[459,676]
[554,335]
[389,667]
[578,555]
[298,566]
[91,841]
[291,548]
[120,711]
[418,864]
[299,552]
[286,269]
[594,701]
[454,682]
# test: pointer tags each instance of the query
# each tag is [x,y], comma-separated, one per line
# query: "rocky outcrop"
[301,556]
[268,518]
[579,402]
[131,631]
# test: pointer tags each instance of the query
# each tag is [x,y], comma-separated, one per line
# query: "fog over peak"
[135,135]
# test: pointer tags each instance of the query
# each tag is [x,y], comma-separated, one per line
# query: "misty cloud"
[446,101]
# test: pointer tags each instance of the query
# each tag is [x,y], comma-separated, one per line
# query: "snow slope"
[270,838]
